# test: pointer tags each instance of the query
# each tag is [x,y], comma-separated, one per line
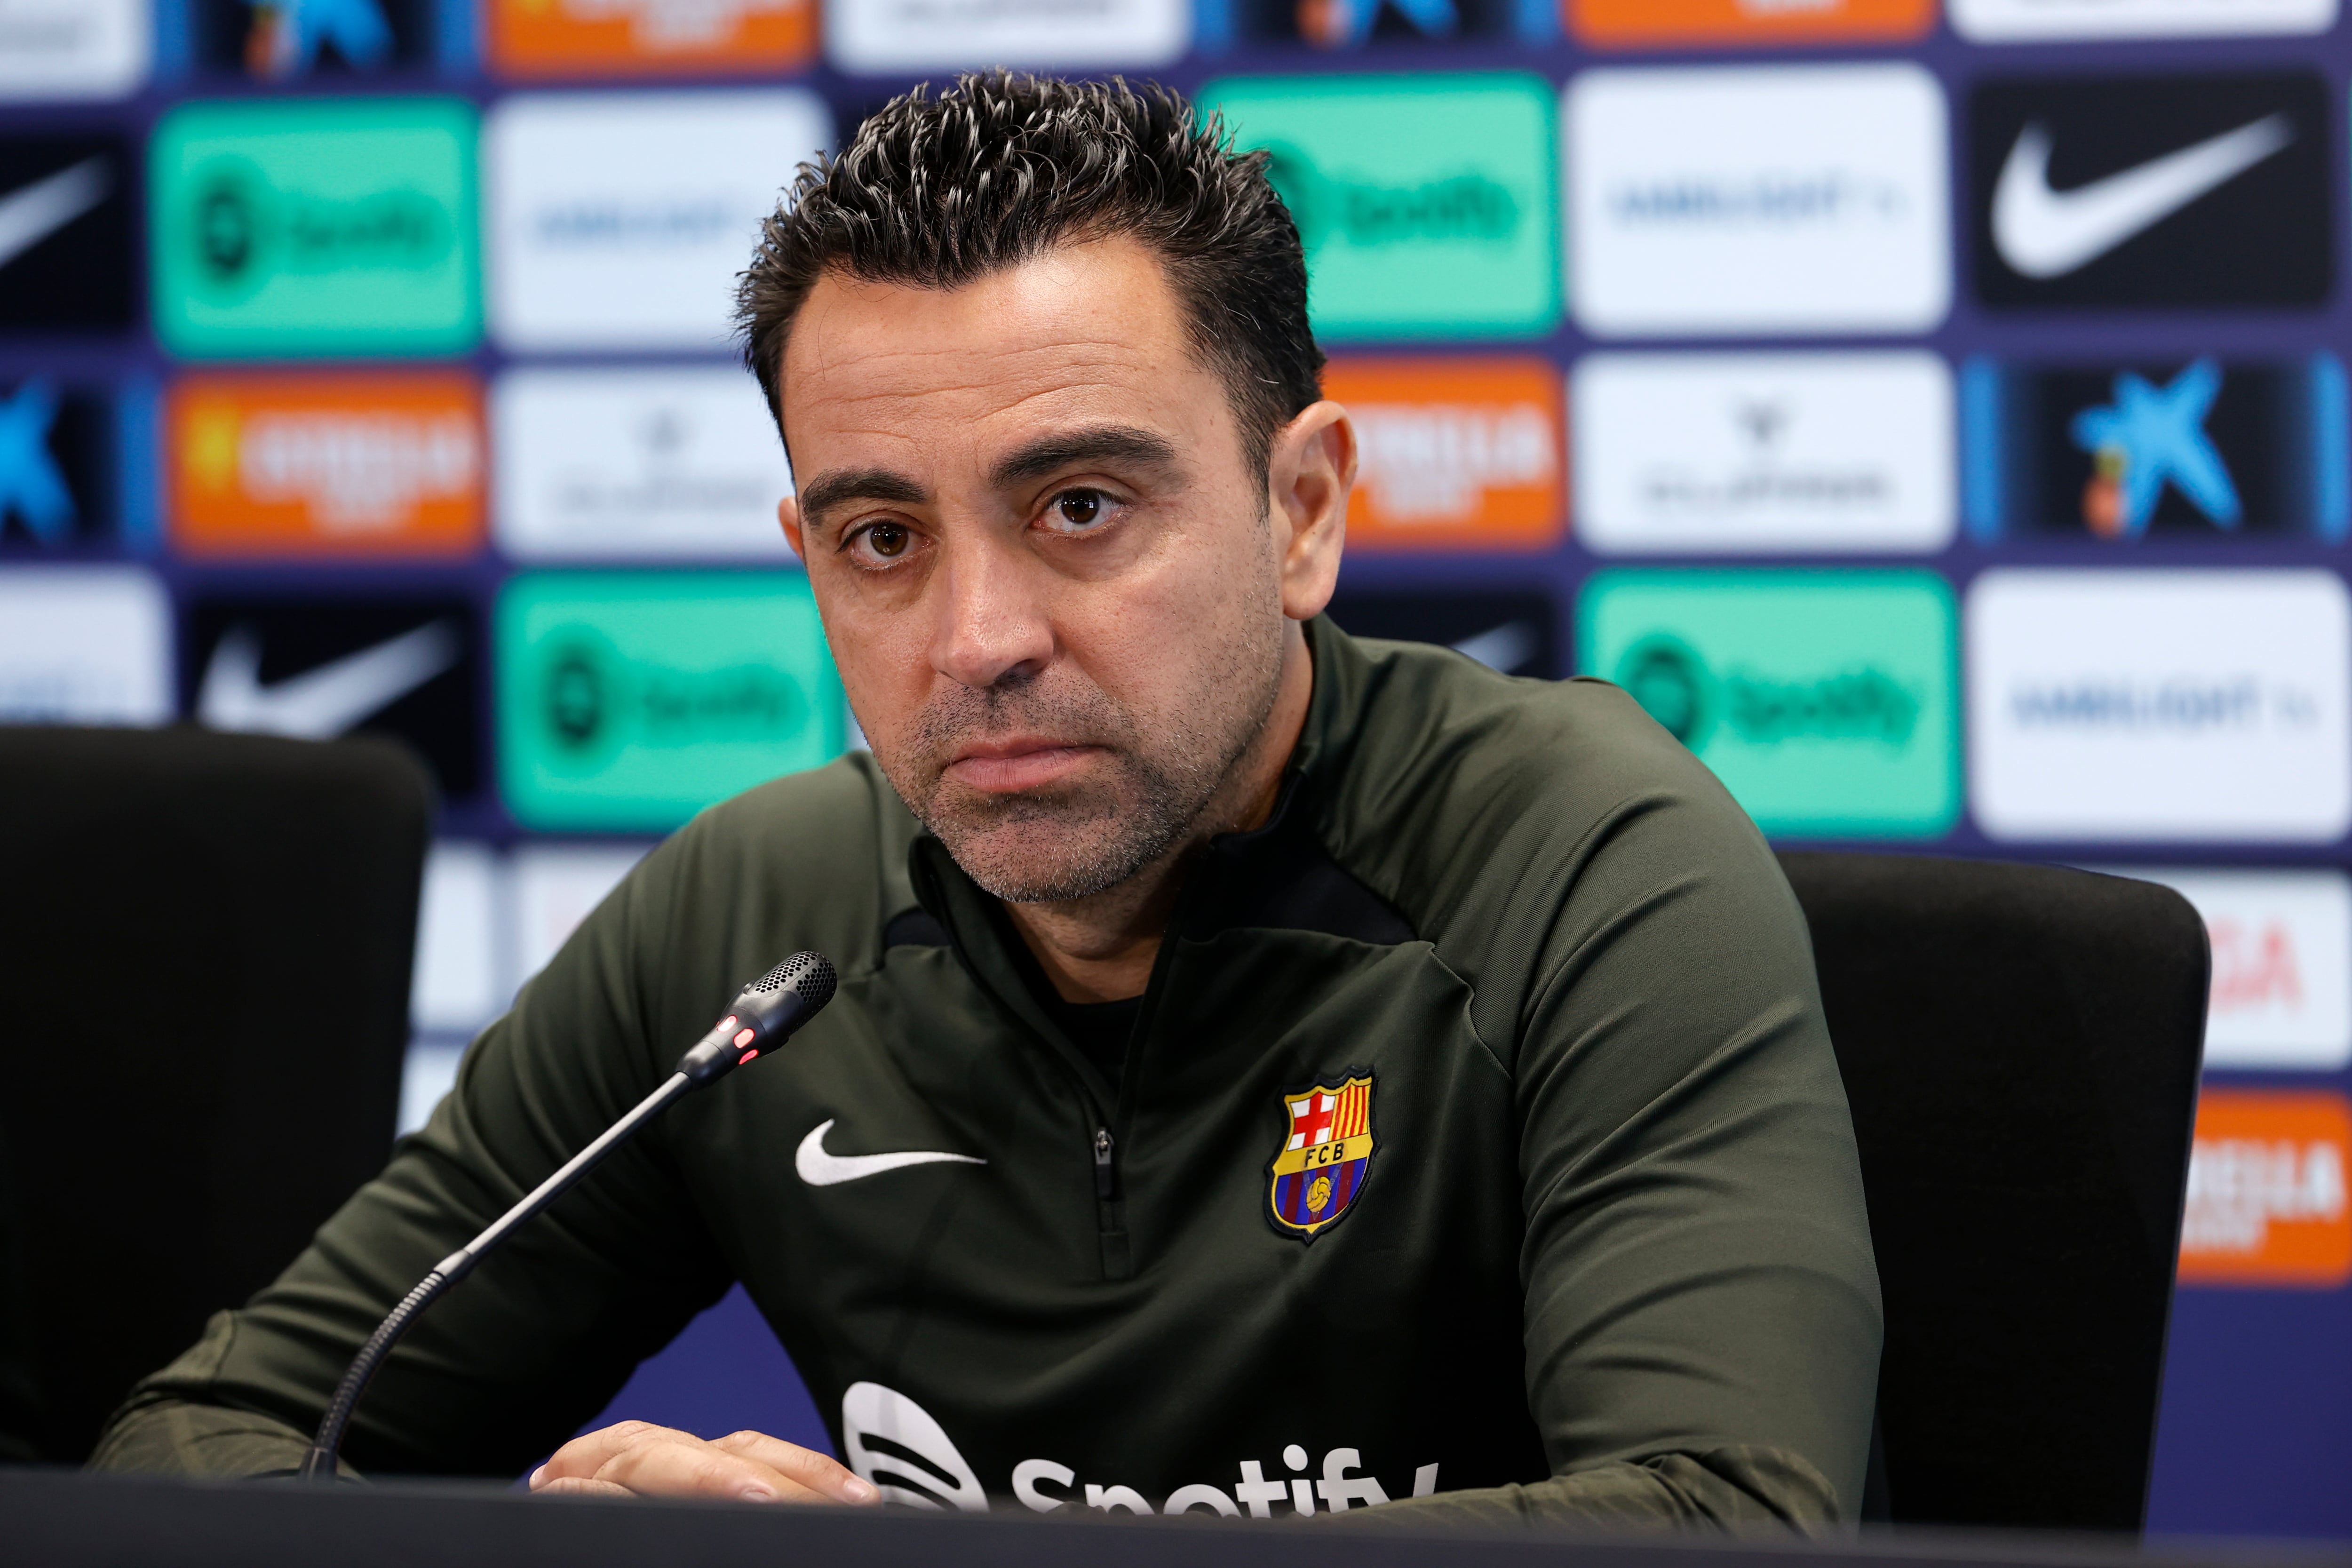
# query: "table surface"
[66,1519]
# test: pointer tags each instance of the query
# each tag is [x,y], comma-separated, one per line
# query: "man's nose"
[990,620]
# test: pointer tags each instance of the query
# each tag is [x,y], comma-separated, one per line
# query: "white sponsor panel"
[2029,21]
[1758,200]
[458,984]
[882,37]
[673,464]
[57,50]
[2282,964]
[84,645]
[1734,453]
[2155,706]
[619,220]
[554,888]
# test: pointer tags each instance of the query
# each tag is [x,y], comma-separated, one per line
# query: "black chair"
[204,952]
[2021,1045]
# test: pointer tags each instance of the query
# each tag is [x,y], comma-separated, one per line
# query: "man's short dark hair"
[939,192]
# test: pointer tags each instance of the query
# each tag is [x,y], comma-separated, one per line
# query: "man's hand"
[636,1459]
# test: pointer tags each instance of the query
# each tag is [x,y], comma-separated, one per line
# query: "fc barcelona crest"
[1324,1157]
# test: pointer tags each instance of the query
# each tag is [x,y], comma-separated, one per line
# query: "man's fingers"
[579,1486]
[820,1473]
[588,1452]
[696,1468]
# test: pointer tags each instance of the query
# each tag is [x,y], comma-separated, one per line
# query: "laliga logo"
[894,1442]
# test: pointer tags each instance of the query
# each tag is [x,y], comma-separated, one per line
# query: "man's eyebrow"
[828,491]
[1104,443]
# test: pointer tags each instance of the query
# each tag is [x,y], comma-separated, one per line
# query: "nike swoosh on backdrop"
[319,704]
[30,214]
[2043,233]
[819,1169]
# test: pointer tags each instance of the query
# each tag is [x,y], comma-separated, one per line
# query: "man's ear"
[1310,469]
[788,514]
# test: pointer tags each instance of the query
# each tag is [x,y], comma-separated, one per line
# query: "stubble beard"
[1080,838]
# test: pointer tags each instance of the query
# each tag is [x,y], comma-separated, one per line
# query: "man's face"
[1049,575]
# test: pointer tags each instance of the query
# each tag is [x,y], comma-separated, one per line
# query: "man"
[1270,1075]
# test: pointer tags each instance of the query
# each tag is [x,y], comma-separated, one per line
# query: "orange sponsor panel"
[639,38]
[326,465]
[1454,453]
[2266,1190]
[1632,24]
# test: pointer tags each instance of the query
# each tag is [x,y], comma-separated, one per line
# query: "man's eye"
[1078,509]
[889,540]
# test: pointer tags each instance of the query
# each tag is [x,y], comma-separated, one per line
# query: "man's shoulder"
[1479,803]
[823,852]
[1443,745]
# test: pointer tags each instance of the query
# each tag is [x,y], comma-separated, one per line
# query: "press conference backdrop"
[1936,419]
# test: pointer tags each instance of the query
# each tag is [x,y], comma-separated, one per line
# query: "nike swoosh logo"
[30,214]
[819,1169]
[319,704]
[2043,233]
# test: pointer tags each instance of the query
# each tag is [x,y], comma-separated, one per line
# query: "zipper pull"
[1104,1184]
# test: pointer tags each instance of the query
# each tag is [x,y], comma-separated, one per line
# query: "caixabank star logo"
[1325,1155]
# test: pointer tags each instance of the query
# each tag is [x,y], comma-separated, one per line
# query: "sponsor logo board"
[656,463]
[1754,453]
[323,226]
[1424,202]
[2282,944]
[1763,200]
[630,701]
[59,484]
[1359,23]
[391,463]
[1453,453]
[1825,701]
[633,37]
[886,37]
[66,240]
[2266,1190]
[321,665]
[621,220]
[1632,24]
[557,886]
[2140,192]
[458,985]
[289,40]
[2031,21]
[1513,633]
[2205,449]
[60,49]
[2160,705]
[84,645]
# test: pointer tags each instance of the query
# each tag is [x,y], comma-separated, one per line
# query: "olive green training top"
[1479,1142]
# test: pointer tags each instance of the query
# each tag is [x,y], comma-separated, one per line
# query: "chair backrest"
[2020,1046]
[204,952]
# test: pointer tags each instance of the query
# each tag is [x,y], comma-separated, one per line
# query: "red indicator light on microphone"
[746,1056]
[744,1036]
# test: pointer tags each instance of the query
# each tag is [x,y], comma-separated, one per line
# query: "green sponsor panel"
[1826,701]
[628,702]
[316,227]
[1427,203]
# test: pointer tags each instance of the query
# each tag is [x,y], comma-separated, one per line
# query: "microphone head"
[809,975]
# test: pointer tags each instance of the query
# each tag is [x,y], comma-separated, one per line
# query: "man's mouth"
[1016,763]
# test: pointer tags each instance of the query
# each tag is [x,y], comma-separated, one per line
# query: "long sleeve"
[1702,1311]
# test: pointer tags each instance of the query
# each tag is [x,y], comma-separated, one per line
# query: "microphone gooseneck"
[766,1015]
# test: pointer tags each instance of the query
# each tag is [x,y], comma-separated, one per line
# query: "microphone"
[767,1014]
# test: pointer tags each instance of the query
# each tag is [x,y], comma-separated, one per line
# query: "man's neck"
[1101,947]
